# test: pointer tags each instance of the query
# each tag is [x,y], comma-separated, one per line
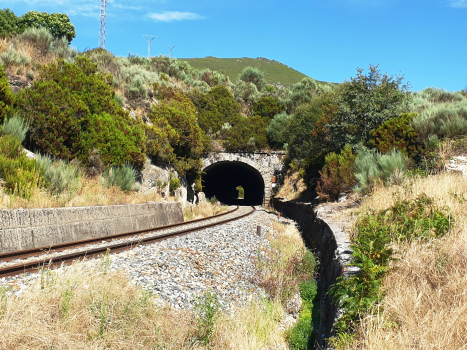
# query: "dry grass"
[279,271]
[85,306]
[203,210]
[293,186]
[90,193]
[426,302]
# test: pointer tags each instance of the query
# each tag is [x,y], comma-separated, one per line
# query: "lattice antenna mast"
[149,38]
[171,48]
[102,26]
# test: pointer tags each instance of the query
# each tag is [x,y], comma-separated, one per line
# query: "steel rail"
[22,254]
[62,260]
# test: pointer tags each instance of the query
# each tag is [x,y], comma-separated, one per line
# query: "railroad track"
[136,238]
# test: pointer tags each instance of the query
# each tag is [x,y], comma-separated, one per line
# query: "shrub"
[7,98]
[16,127]
[72,112]
[9,23]
[174,183]
[60,176]
[248,135]
[254,76]
[121,176]
[11,57]
[39,38]
[372,167]
[440,113]
[337,175]
[397,133]
[267,108]
[372,239]
[246,93]
[277,129]
[21,174]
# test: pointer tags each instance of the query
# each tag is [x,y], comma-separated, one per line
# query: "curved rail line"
[57,261]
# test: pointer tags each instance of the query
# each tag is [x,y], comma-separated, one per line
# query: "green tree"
[9,23]
[58,24]
[175,136]
[302,93]
[364,103]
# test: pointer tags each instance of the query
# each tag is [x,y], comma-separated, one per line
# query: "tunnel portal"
[222,178]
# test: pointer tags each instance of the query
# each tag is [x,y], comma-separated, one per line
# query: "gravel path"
[179,270]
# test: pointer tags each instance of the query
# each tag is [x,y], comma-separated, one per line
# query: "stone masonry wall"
[332,247]
[268,164]
[34,228]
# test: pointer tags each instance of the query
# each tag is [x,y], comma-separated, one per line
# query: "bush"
[248,135]
[60,176]
[277,129]
[11,57]
[121,176]
[39,38]
[9,23]
[21,174]
[267,108]
[337,175]
[372,167]
[174,183]
[7,98]
[397,133]
[16,127]
[372,239]
[254,76]
[440,113]
[72,112]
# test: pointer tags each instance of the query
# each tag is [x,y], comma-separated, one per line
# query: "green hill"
[274,72]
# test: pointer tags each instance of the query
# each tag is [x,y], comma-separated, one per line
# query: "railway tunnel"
[221,180]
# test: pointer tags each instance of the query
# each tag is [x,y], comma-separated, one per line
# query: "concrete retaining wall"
[34,228]
[332,246]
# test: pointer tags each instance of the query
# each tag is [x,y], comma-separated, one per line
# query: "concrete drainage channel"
[332,247]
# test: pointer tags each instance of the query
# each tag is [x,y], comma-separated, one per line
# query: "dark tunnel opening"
[222,179]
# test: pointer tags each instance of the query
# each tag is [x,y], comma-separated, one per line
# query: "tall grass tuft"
[60,175]
[372,167]
[123,177]
[16,127]
[12,57]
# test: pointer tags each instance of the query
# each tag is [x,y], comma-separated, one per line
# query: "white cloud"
[169,16]
[459,4]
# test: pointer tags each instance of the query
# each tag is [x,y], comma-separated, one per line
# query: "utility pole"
[102,27]
[149,38]
[171,48]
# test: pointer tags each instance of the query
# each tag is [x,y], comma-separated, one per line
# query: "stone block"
[25,238]
[144,222]
[117,211]
[65,233]
[9,240]
[45,236]
[122,225]
[103,228]
[22,217]
[83,230]
[41,217]
[7,219]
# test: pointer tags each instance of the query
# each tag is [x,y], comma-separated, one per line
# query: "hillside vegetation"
[275,73]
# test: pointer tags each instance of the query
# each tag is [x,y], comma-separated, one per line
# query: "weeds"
[16,127]
[207,310]
[373,241]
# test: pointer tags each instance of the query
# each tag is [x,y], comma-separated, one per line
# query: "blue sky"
[426,41]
